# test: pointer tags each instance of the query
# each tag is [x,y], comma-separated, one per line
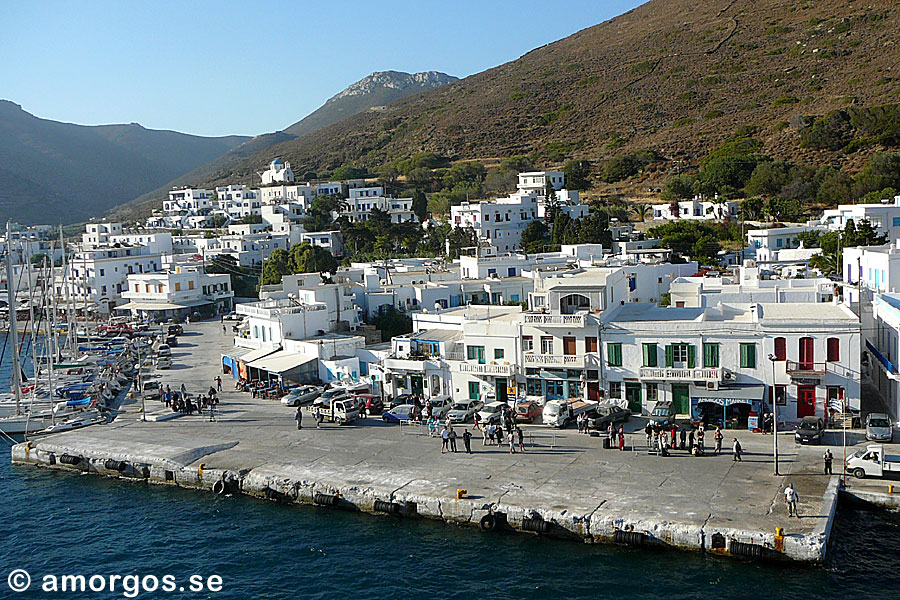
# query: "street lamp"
[774,415]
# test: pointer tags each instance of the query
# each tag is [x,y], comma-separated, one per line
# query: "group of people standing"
[180,401]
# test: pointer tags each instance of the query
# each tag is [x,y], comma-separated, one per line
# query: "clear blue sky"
[232,67]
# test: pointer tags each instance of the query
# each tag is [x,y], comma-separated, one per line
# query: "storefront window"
[535,387]
[575,390]
[615,389]
[555,389]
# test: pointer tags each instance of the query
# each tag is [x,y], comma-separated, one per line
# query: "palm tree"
[644,211]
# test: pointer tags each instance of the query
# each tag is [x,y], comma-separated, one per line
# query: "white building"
[712,363]
[177,294]
[696,210]
[885,218]
[747,287]
[329,240]
[883,350]
[98,277]
[278,172]
[297,193]
[270,322]
[359,208]
[536,181]
[875,268]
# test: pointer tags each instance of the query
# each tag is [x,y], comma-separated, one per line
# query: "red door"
[806,401]
[593,390]
[806,353]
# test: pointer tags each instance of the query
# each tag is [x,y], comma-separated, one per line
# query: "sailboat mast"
[72,335]
[13,325]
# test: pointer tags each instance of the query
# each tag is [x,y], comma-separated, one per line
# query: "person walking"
[510,438]
[648,430]
[736,451]
[691,439]
[484,436]
[611,435]
[490,434]
[579,421]
[828,458]
[183,390]
[318,419]
[445,439]
[791,497]
[621,437]
[477,420]
[452,436]
[299,417]
[717,436]
[467,441]
[683,438]
[521,437]
[218,383]
[700,434]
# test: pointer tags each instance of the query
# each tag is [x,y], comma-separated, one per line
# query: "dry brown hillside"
[676,76]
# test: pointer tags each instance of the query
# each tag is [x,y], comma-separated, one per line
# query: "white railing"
[555,320]
[484,369]
[565,360]
[454,356]
[673,373]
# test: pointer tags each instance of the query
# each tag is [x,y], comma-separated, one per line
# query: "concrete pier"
[564,485]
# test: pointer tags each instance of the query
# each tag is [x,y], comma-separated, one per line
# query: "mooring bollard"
[461,493]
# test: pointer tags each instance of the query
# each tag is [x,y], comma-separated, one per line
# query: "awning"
[162,305]
[249,357]
[549,374]
[282,361]
[727,397]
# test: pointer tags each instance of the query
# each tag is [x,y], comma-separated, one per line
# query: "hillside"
[370,92]
[59,172]
[673,76]
[373,91]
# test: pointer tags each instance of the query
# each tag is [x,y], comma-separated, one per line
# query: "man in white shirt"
[791,497]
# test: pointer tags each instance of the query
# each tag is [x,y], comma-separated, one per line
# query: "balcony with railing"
[681,374]
[476,368]
[793,367]
[554,319]
[554,360]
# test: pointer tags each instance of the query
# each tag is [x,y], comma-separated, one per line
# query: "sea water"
[57,523]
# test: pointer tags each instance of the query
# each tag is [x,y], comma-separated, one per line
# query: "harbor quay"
[564,484]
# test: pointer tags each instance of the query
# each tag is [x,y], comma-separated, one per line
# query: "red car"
[527,412]
[371,402]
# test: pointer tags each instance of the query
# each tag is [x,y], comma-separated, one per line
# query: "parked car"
[878,428]
[440,406]
[301,396]
[663,414]
[463,410]
[372,403]
[527,412]
[491,412]
[164,362]
[233,316]
[171,341]
[810,431]
[399,413]
[164,350]
[151,390]
[608,414]
[175,329]
[332,393]
[401,399]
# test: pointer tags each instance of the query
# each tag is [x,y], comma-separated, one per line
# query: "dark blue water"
[63,524]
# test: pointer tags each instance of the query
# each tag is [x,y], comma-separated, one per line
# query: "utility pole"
[774,416]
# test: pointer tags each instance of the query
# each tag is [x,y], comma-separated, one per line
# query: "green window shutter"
[710,356]
[649,355]
[748,356]
[670,356]
[614,354]
[692,356]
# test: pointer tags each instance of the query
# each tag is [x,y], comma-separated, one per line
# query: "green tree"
[752,208]
[577,174]
[250,220]
[391,322]
[643,211]
[461,237]
[728,167]
[275,267]
[306,258]
[534,236]
[834,186]
[38,259]
[768,178]
[470,174]
[881,171]
[348,172]
[420,205]
[782,210]
[679,187]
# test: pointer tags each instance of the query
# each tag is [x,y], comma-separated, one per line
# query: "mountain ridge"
[75,172]
[675,76]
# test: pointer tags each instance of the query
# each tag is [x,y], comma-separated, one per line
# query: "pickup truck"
[340,410]
[872,462]
[558,413]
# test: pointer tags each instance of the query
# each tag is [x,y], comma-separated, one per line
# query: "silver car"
[302,395]
[878,428]
[463,410]
[440,406]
